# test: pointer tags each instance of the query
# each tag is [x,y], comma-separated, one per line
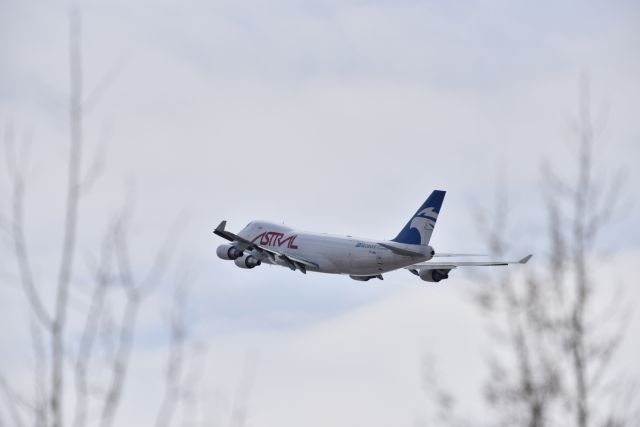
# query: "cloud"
[331,116]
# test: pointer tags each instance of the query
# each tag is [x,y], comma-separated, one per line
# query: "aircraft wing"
[293,262]
[453,264]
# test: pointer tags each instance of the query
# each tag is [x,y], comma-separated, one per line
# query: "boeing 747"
[362,259]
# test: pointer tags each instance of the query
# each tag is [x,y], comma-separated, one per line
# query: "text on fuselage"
[273,238]
[367,246]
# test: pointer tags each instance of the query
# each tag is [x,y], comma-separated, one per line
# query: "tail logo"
[420,227]
[424,222]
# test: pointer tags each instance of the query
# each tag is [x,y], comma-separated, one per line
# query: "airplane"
[362,259]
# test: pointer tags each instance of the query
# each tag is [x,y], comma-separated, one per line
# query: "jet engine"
[429,275]
[228,252]
[248,261]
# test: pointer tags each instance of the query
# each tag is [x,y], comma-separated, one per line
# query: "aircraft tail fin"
[420,227]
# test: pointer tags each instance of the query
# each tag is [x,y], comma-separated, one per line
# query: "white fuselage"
[332,253]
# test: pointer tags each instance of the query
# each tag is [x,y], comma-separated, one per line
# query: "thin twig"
[70,219]
[175,362]
[85,349]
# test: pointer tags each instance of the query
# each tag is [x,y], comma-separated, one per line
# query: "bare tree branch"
[173,386]
[240,403]
[103,333]
[104,84]
[190,396]
[560,349]
[40,387]
[22,255]
[70,219]
[102,277]
[135,293]
[14,402]
[127,325]
[17,170]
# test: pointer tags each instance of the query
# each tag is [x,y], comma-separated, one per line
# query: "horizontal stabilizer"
[400,251]
[446,254]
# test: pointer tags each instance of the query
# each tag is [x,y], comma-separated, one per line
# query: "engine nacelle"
[228,252]
[248,261]
[434,275]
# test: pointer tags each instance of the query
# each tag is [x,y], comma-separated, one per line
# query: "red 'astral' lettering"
[273,238]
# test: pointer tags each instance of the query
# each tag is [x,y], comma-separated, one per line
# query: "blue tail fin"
[419,228]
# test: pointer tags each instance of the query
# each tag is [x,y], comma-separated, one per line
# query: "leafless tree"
[553,365]
[94,391]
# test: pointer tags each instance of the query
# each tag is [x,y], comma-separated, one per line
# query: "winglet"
[224,234]
[525,259]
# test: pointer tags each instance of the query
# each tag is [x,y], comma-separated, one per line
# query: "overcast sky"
[335,116]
